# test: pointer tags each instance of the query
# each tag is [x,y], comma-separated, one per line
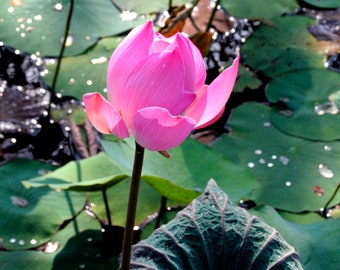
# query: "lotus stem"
[132,206]
[217,3]
[61,53]
[107,209]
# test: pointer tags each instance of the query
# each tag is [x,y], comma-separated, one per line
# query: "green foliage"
[96,173]
[316,243]
[282,46]
[29,217]
[39,25]
[275,155]
[84,73]
[182,177]
[259,9]
[78,246]
[323,3]
[141,7]
[212,233]
[246,79]
[288,168]
[302,95]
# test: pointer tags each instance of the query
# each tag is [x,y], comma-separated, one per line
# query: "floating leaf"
[306,95]
[31,216]
[255,9]
[84,73]
[142,7]
[287,167]
[212,233]
[182,177]
[323,3]
[148,202]
[286,46]
[317,243]
[40,25]
[246,79]
[78,246]
[96,173]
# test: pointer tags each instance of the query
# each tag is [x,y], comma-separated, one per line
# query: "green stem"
[170,6]
[107,209]
[161,212]
[132,206]
[61,53]
[217,3]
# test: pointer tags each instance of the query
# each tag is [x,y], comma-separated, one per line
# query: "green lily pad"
[142,7]
[96,173]
[287,168]
[84,73]
[246,79]
[323,3]
[301,218]
[39,25]
[284,46]
[149,201]
[78,246]
[212,233]
[306,104]
[29,217]
[317,243]
[183,176]
[259,9]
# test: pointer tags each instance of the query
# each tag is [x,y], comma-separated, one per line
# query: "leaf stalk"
[132,206]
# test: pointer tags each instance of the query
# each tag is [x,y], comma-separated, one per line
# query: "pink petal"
[134,47]
[195,72]
[157,130]
[211,99]
[156,82]
[103,116]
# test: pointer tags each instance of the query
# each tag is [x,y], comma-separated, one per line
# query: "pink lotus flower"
[156,90]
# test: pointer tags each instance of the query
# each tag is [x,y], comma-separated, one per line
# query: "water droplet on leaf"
[328,107]
[69,40]
[327,148]
[262,161]
[288,184]
[286,113]
[21,242]
[325,171]
[37,17]
[258,152]
[127,15]
[251,164]
[51,247]
[58,7]
[12,240]
[19,201]
[99,60]
[33,241]
[284,160]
